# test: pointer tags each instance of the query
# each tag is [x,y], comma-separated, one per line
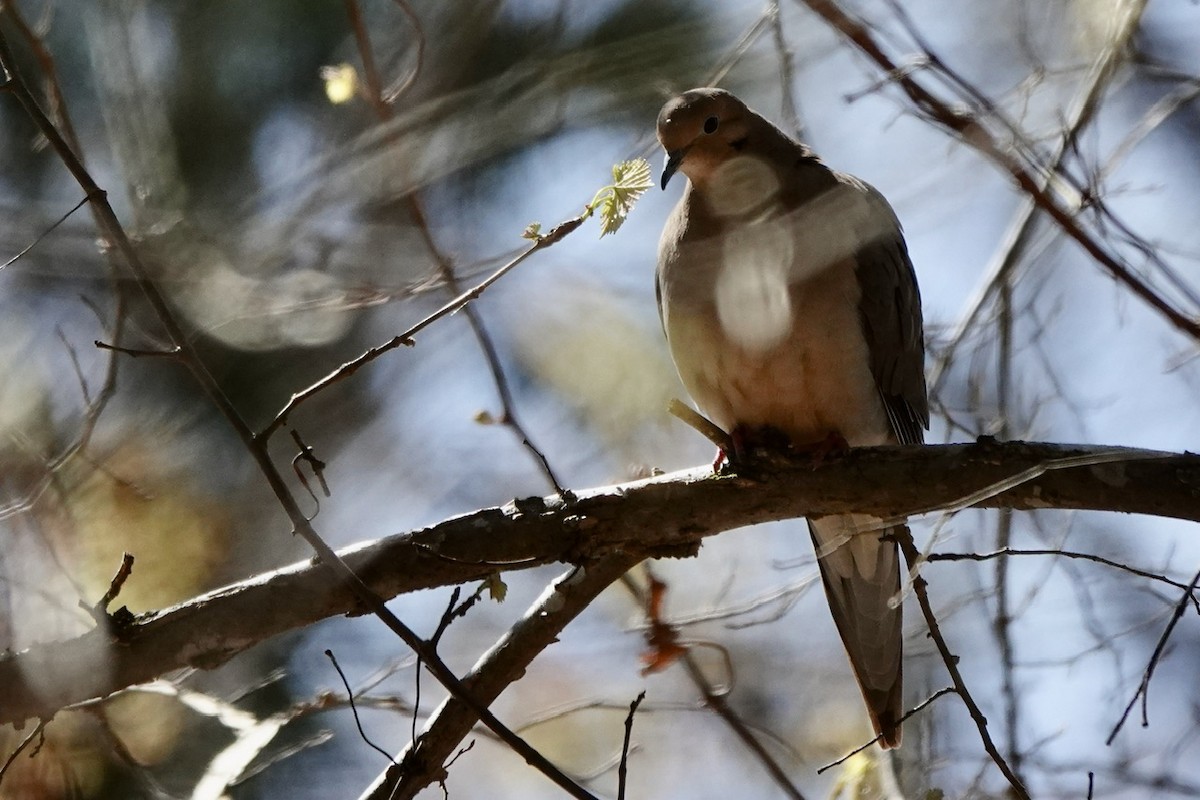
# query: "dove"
[792,312]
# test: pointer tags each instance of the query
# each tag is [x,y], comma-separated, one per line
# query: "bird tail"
[861,574]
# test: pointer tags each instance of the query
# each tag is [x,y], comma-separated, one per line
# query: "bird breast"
[764,333]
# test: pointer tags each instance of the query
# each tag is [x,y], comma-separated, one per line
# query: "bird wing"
[860,572]
[890,310]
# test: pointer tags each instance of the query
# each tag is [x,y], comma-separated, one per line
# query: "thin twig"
[555,235]
[362,39]
[73,355]
[382,104]
[453,611]
[787,73]
[715,700]
[740,48]
[306,455]
[383,109]
[44,234]
[1010,551]
[132,352]
[1143,690]
[354,709]
[1002,623]
[39,730]
[702,424]
[622,768]
[62,119]
[508,415]
[118,581]
[54,93]
[920,589]
[402,85]
[919,707]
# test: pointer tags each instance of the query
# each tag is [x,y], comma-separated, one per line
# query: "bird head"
[701,130]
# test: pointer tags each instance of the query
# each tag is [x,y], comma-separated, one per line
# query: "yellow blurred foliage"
[606,364]
[130,504]
[148,724]
[68,760]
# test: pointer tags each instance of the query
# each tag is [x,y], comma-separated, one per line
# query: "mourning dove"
[791,308]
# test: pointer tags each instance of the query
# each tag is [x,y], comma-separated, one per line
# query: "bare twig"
[715,700]
[38,732]
[58,110]
[554,236]
[702,424]
[100,610]
[75,365]
[718,703]
[622,769]
[54,94]
[1002,622]
[44,234]
[1010,551]
[132,352]
[920,589]
[376,94]
[508,414]
[740,48]
[919,707]
[381,102]
[787,73]
[306,455]
[362,40]
[402,85]
[1143,690]
[453,611]
[353,709]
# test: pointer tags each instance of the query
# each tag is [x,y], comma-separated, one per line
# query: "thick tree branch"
[423,761]
[666,515]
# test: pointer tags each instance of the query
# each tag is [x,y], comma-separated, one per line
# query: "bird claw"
[752,443]
[833,446]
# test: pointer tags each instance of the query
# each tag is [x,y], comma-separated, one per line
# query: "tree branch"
[421,763]
[662,516]
[972,131]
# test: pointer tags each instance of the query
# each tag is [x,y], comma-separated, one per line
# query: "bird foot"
[829,448]
[753,443]
[750,443]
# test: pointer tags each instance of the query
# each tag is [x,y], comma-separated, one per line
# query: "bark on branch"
[667,515]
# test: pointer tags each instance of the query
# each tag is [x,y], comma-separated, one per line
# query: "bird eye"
[710,125]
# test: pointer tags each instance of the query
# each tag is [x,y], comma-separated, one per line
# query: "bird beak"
[671,166]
